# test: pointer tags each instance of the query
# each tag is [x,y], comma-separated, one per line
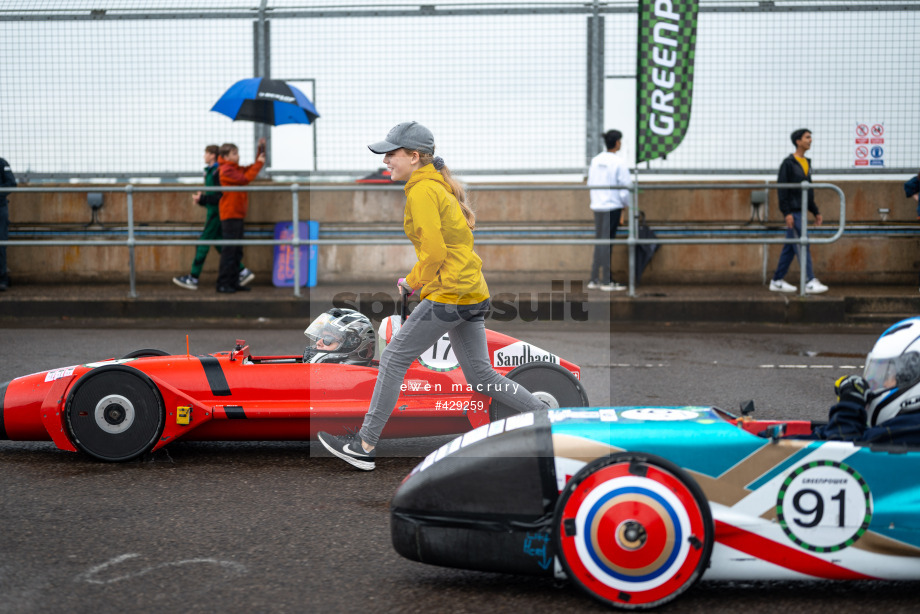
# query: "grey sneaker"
[246,276]
[186,281]
[349,449]
[612,287]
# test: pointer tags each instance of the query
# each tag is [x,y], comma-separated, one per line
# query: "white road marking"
[87,576]
[858,367]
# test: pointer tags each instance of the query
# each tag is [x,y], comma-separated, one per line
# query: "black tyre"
[115,414]
[633,530]
[552,384]
[145,354]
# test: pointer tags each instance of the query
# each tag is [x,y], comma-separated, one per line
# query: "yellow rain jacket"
[448,270]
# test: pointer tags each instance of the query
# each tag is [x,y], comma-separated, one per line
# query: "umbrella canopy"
[266,101]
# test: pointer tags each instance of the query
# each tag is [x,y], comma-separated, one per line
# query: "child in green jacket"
[211,202]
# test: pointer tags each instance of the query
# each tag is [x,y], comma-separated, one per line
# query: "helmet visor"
[881,373]
[324,334]
[330,334]
[899,371]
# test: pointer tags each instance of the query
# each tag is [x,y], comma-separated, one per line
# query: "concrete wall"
[853,259]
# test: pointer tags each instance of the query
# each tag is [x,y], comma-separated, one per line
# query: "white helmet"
[340,335]
[893,372]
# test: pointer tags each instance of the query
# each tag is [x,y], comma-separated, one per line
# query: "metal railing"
[632,240]
[803,241]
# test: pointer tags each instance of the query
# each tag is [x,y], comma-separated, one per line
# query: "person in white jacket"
[607,169]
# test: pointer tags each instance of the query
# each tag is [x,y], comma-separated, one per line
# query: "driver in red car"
[340,336]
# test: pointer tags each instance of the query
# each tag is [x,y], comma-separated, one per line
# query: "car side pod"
[483,501]
[633,530]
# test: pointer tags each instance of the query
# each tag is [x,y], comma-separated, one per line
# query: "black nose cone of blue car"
[483,501]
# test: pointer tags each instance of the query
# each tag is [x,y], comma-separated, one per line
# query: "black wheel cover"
[542,377]
[145,353]
[115,414]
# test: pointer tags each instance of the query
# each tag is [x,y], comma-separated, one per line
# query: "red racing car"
[119,409]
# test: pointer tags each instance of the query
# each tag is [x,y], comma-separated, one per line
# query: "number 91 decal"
[824,506]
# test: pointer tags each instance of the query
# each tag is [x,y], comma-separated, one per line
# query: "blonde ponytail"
[458,189]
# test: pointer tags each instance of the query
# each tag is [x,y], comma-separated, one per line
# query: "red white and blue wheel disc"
[632,539]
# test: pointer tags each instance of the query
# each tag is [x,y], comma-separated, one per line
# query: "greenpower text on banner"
[664,84]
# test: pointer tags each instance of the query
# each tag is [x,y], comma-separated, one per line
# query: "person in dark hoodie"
[233,208]
[796,169]
[448,277]
[211,202]
[912,190]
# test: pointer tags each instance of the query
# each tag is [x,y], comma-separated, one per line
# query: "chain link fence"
[123,89]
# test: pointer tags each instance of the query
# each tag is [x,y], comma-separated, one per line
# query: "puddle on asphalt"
[812,354]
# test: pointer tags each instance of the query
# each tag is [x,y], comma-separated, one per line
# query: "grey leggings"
[429,321]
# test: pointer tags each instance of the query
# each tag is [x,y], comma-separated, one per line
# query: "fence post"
[295,216]
[804,251]
[594,107]
[129,194]
[765,246]
[632,231]
[262,59]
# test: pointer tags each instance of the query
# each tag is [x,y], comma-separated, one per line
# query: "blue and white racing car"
[635,504]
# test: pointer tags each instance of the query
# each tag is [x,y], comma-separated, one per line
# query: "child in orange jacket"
[233,207]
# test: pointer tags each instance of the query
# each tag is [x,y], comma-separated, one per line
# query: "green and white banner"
[664,83]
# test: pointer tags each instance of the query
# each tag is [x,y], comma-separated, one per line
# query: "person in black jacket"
[912,190]
[7,180]
[796,169]
[211,202]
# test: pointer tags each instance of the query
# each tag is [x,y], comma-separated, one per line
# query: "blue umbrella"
[266,101]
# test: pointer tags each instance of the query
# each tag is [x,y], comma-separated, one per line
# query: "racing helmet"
[893,372]
[342,336]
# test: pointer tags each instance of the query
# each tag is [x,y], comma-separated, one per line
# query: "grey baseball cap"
[408,135]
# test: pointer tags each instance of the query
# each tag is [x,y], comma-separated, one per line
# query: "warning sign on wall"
[869,144]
